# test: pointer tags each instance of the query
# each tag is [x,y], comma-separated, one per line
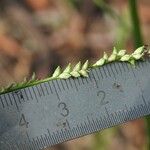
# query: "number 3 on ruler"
[65,110]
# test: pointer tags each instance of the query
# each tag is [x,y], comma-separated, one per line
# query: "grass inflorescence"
[81,70]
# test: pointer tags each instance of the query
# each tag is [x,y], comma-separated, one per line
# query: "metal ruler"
[56,111]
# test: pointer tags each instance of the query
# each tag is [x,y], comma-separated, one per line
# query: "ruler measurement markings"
[5,99]
[33,143]
[73,84]
[113,118]
[107,71]
[69,82]
[142,65]
[111,68]
[50,136]
[43,139]
[55,137]
[138,110]
[135,113]
[146,63]
[19,96]
[138,65]
[15,94]
[40,142]
[116,69]
[61,134]
[94,79]
[90,78]
[129,66]
[35,95]
[28,91]
[50,86]
[96,74]
[82,80]
[62,84]
[144,101]
[96,124]
[66,83]
[47,141]
[41,89]
[36,89]
[141,109]
[45,85]
[104,72]
[56,81]
[131,112]
[77,130]
[127,112]
[122,115]
[123,67]
[16,104]
[87,80]
[119,68]
[99,122]
[77,80]
[24,146]
[41,92]
[19,147]
[73,132]
[16,145]
[37,142]
[2,102]
[8,95]
[66,134]
[93,124]
[86,128]
[56,91]
[25,93]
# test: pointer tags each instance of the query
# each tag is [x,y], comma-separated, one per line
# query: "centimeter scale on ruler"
[56,111]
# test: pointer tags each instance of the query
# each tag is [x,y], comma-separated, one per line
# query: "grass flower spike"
[81,69]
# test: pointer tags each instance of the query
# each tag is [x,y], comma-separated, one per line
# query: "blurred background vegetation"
[38,35]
